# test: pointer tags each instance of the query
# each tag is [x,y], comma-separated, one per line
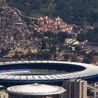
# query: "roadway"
[92,88]
[19,13]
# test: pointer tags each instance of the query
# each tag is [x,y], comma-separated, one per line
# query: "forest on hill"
[90,35]
[80,12]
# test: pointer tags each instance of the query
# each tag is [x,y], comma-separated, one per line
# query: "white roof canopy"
[36,89]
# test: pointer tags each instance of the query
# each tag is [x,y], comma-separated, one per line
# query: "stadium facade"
[50,72]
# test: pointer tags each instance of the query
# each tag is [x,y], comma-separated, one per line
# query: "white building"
[75,88]
[35,91]
[94,91]
[3,95]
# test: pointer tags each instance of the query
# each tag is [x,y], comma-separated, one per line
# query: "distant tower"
[75,88]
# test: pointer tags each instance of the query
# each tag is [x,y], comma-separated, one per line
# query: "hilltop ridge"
[81,12]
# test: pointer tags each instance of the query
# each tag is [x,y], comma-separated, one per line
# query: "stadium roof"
[35,89]
[90,70]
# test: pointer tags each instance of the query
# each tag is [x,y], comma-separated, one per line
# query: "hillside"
[81,12]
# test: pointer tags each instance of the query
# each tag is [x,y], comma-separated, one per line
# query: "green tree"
[1,9]
[53,49]
[43,44]
[86,60]
[74,58]
[66,56]
[77,48]
[4,52]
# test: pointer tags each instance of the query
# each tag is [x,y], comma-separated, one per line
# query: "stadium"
[50,72]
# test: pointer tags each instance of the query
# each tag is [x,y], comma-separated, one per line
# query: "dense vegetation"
[81,12]
[1,9]
[91,36]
